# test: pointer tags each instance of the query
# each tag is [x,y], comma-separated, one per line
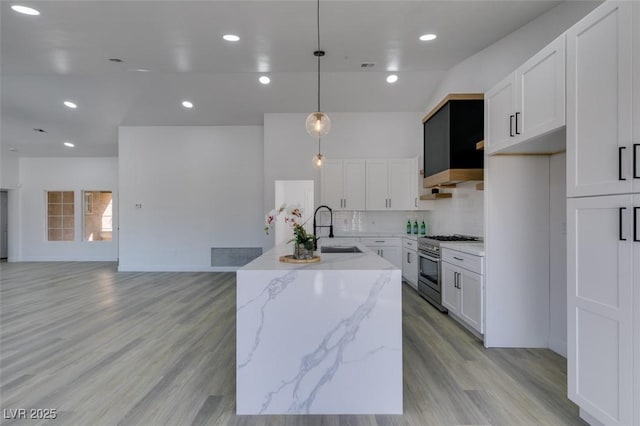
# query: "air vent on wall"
[367,65]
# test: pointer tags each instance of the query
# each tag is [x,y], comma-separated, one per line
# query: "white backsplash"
[369,222]
[461,214]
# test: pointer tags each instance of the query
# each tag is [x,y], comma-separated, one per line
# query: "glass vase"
[301,252]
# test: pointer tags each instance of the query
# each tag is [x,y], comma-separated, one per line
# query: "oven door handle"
[426,256]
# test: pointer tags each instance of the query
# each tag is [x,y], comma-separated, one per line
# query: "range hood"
[451,132]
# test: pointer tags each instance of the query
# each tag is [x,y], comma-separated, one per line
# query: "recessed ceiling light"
[187,104]
[70,104]
[264,79]
[25,10]
[392,78]
[69,144]
[428,37]
[231,37]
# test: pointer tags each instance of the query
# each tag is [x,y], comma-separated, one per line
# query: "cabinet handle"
[457,258]
[635,160]
[635,224]
[408,257]
[379,241]
[511,125]
[416,202]
[345,203]
[517,132]
[620,148]
[620,224]
[389,202]
[455,280]
[381,252]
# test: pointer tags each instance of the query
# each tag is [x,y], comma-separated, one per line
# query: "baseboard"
[62,259]
[558,346]
[589,418]
[175,268]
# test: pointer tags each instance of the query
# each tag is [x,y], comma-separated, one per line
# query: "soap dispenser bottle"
[408,227]
[415,227]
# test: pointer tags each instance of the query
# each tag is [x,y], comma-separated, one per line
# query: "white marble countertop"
[476,249]
[367,260]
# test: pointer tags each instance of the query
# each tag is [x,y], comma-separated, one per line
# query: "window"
[98,215]
[60,215]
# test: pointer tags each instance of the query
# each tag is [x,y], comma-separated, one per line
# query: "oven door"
[429,270]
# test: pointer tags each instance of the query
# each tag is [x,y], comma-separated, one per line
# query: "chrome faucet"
[330,226]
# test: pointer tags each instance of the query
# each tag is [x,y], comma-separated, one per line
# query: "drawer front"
[410,244]
[464,260]
[381,242]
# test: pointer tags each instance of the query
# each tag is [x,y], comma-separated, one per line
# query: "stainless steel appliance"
[429,271]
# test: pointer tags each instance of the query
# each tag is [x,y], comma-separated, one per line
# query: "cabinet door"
[471,299]
[410,267]
[377,185]
[450,292]
[393,255]
[599,306]
[400,185]
[332,179]
[354,185]
[541,92]
[599,110]
[499,108]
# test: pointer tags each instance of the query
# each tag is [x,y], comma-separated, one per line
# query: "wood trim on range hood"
[453,97]
[448,177]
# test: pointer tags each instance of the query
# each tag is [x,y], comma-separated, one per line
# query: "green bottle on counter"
[408,227]
[415,227]
[423,228]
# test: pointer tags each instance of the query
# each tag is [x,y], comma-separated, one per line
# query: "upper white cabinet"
[389,185]
[343,184]
[528,103]
[600,149]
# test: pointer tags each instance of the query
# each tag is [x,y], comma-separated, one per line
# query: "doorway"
[4,225]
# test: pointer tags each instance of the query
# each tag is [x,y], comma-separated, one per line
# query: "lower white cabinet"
[603,277]
[410,262]
[463,289]
[388,248]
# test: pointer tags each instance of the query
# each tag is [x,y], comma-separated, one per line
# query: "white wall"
[517,251]
[558,254]
[38,175]
[288,149]
[9,170]
[198,187]
[463,213]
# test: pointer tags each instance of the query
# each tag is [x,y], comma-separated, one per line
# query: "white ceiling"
[63,54]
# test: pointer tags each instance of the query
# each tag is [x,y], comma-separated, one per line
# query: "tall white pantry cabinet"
[603,214]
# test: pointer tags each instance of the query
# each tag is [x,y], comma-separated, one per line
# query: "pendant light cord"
[318,51]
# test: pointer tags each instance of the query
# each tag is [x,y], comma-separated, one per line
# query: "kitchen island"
[319,338]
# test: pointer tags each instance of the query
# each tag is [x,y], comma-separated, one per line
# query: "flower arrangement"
[292,216]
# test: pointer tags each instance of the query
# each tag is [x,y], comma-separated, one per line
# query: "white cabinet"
[463,288]
[528,103]
[388,248]
[389,184]
[410,261]
[343,184]
[599,103]
[603,217]
[601,284]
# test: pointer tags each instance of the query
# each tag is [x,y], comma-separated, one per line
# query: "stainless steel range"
[429,272]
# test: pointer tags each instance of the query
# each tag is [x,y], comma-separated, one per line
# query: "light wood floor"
[103,347]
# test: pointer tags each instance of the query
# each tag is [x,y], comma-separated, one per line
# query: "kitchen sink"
[340,249]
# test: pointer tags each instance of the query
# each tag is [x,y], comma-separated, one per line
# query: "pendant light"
[318,123]
[318,159]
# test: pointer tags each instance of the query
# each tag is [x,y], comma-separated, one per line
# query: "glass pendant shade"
[318,160]
[318,124]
